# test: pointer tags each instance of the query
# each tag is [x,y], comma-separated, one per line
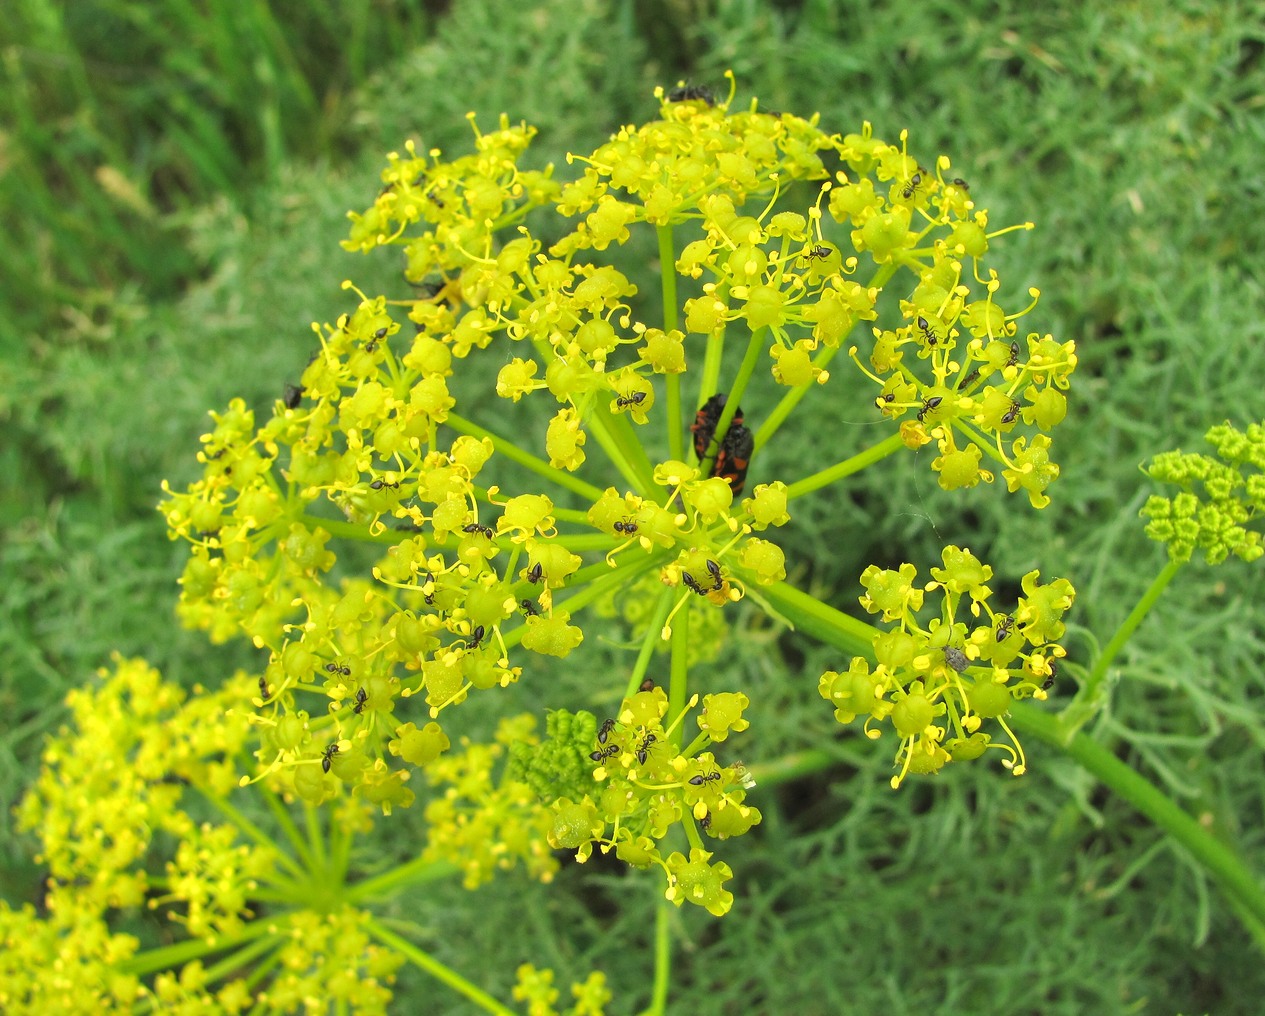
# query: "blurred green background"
[174,177]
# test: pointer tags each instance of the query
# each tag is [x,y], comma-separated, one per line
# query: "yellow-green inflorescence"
[938,684]
[1221,495]
[475,584]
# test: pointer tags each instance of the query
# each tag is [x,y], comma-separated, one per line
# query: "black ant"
[711,777]
[692,585]
[1049,681]
[474,527]
[635,399]
[1014,354]
[818,251]
[1004,625]
[912,186]
[604,731]
[604,753]
[429,597]
[379,484]
[476,637]
[291,395]
[970,379]
[362,697]
[925,327]
[714,570]
[264,693]
[961,184]
[529,608]
[1012,412]
[335,668]
[645,747]
[626,526]
[327,756]
[928,406]
[381,333]
[534,574]
[685,93]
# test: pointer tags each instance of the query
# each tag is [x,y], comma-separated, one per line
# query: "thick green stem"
[755,346]
[1224,866]
[436,969]
[667,278]
[850,465]
[416,872]
[177,954]
[1130,625]
[662,958]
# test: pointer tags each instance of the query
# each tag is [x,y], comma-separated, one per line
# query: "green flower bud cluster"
[1221,495]
[535,987]
[938,684]
[642,785]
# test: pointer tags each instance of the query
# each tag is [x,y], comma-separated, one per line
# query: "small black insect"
[912,186]
[626,526]
[714,570]
[1012,412]
[264,693]
[429,597]
[961,184]
[956,659]
[692,585]
[924,326]
[705,823]
[474,527]
[379,484]
[381,333]
[476,637]
[928,406]
[1049,681]
[698,781]
[686,93]
[529,608]
[337,668]
[818,251]
[362,697]
[1004,625]
[534,574]
[604,731]
[1014,354]
[291,395]
[327,756]
[970,379]
[645,748]
[647,684]
[635,399]
[604,753]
